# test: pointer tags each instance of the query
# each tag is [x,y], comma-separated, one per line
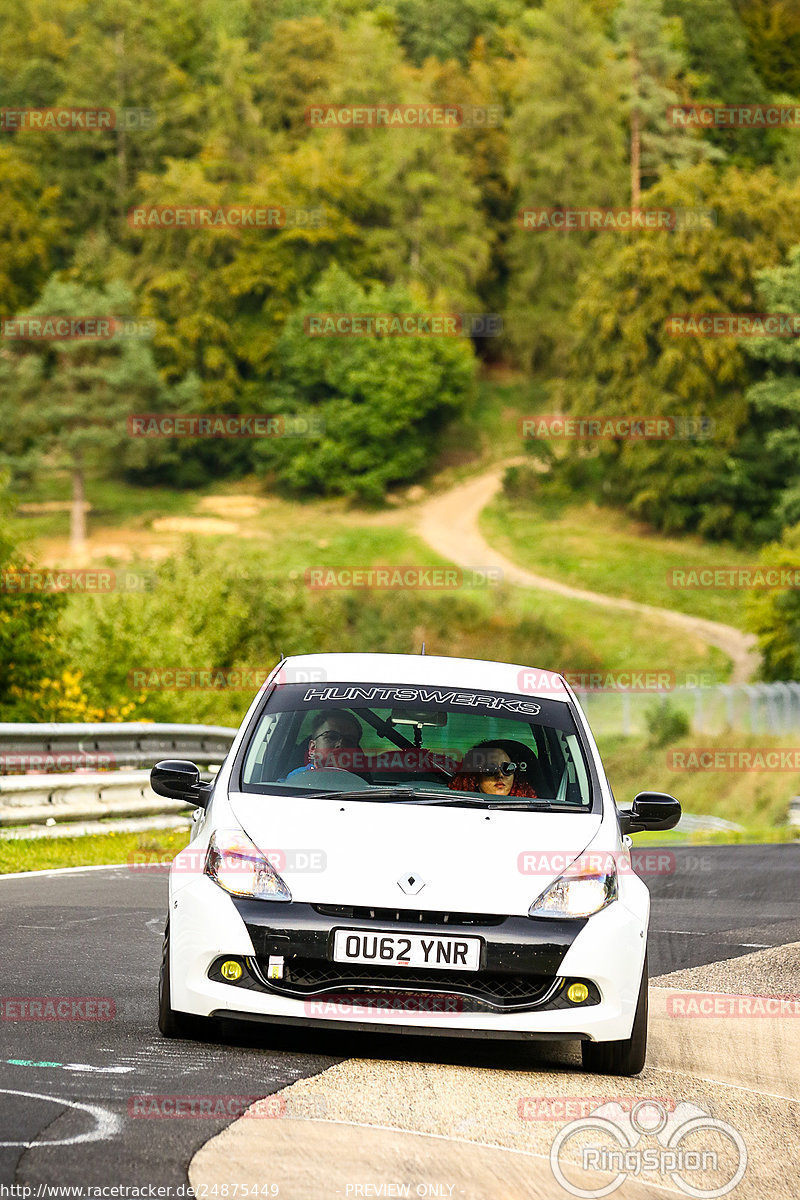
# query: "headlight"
[234,862]
[578,892]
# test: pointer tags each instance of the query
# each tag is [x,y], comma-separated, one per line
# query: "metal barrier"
[53,776]
[758,708]
[128,744]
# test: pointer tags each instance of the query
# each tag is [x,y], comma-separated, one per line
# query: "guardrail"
[136,744]
[54,776]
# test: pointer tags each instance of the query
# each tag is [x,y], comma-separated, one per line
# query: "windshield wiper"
[402,794]
[379,793]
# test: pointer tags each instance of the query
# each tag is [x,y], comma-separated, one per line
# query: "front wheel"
[627,1056]
[172,1024]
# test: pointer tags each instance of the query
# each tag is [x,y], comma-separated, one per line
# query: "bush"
[384,401]
[665,723]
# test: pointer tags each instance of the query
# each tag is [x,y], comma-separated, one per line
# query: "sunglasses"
[503,768]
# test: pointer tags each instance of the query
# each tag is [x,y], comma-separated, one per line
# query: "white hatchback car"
[412,844]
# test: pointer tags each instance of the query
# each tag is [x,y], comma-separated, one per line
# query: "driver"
[331,730]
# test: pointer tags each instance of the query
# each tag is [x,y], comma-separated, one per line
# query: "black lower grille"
[408,915]
[500,992]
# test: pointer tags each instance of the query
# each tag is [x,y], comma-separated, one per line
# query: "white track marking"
[107,1124]
[739,1087]
[63,871]
[443,1137]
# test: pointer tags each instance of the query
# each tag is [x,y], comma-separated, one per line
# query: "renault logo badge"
[411,884]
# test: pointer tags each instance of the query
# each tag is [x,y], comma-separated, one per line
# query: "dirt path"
[449,524]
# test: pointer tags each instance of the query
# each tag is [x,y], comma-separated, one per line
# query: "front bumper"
[519,991]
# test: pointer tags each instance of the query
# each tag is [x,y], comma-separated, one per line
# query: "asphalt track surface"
[98,933]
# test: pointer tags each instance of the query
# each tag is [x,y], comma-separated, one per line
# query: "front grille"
[481,991]
[409,915]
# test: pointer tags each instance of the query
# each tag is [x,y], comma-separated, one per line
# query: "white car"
[412,844]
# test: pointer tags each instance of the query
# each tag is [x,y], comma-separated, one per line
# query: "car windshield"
[438,744]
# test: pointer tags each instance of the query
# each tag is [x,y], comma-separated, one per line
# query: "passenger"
[496,768]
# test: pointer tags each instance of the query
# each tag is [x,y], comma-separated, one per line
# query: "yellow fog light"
[231,970]
[576,992]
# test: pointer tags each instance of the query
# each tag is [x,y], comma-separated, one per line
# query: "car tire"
[172,1024]
[627,1056]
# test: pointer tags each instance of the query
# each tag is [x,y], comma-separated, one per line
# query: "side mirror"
[180,780]
[652,811]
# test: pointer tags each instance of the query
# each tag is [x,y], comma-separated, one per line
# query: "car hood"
[349,852]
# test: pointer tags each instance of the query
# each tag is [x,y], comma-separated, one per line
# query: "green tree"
[773,614]
[718,56]
[383,400]
[654,55]
[768,457]
[773,34]
[30,649]
[625,361]
[30,230]
[566,148]
[64,401]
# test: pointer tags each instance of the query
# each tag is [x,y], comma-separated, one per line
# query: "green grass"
[113,504]
[40,854]
[757,800]
[620,641]
[606,551]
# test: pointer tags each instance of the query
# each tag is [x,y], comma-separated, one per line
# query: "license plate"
[407,950]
